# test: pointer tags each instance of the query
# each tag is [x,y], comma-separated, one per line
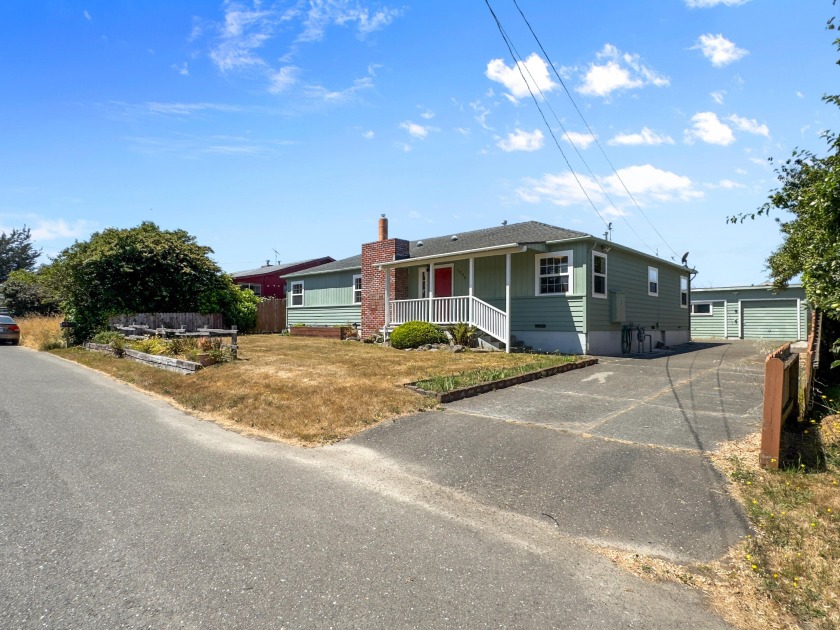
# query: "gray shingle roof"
[515,233]
[345,264]
[518,233]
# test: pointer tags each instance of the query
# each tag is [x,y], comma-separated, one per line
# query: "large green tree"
[810,190]
[26,293]
[16,252]
[142,269]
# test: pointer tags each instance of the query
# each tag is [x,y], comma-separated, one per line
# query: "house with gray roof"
[547,287]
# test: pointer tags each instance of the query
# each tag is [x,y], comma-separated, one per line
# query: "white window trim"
[709,314]
[423,287]
[292,294]
[537,258]
[684,292]
[649,292]
[600,296]
[359,276]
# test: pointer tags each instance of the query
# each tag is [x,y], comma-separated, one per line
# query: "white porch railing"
[452,310]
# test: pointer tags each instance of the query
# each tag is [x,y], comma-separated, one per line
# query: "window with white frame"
[297,293]
[554,273]
[599,275]
[653,281]
[704,309]
[357,289]
[684,291]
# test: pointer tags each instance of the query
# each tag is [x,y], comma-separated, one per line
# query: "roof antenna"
[504,222]
[276,256]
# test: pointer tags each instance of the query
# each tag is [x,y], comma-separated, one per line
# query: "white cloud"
[186,109]
[717,97]
[183,69]
[87,15]
[464,131]
[368,135]
[522,141]
[646,182]
[708,128]
[705,4]
[534,69]
[618,71]
[415,130]
[319,92]
[325,13]
[800,94]
[645,136]
[53,229]
[719,50]
[749,125]
[580,140]
[283,79]
[428,114]
[244,31]
[727,184]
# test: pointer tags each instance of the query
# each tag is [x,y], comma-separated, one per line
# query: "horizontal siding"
[555,313]
[733,320]
[323,315]
[705,327]
[770,319]
[628,274]
[328,289]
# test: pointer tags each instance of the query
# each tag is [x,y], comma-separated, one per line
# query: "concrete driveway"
[613,454]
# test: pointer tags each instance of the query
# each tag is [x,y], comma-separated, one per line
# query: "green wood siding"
[545,313]
[770,319]
[327,289]
[766,315]
[323,315]
[706,327]
[627,273]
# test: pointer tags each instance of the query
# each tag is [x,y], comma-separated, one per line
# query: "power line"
[542,114]
[594,137]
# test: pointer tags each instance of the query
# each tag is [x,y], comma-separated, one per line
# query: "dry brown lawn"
[302,390]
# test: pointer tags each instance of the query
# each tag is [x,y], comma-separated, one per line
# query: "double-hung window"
[684,291]
[297,293]
[653,281]
[599,275]
[357,289]
[553,273]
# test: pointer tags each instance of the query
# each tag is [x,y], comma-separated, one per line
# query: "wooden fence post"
[781,399]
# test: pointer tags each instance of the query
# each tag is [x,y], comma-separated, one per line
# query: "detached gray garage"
[749,313]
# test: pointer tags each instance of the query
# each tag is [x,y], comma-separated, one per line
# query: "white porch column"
[387,298]
[472,288]
[430,317]
[507,302]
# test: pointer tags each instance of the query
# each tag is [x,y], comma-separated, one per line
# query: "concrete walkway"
[613,454]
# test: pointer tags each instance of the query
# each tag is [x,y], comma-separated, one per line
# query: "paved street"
[119,511]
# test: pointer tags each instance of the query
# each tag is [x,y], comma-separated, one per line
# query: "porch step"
[491,343]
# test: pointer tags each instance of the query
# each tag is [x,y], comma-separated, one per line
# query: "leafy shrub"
[106,336]
[182,345]
[463,334]
[416,334]
[153,345]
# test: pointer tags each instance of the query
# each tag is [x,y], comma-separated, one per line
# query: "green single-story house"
[551,288]
[752,312]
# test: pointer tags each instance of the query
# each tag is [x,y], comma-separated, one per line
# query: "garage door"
[770,319]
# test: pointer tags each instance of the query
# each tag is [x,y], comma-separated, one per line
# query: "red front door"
[443,281]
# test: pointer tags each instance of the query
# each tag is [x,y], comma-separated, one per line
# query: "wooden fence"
[189,321]
[812,358]
[781,400]
[271,316]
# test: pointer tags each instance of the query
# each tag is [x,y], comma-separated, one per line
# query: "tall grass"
[41,332]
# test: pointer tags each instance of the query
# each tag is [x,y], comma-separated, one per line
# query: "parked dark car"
[9,330]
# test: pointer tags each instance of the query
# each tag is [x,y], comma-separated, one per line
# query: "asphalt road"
[117,511]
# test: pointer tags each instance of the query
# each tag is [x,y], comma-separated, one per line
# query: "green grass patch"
[480,376]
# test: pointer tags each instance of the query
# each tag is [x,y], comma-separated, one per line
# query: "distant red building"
[267,282]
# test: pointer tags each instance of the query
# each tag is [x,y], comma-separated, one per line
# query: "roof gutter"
[496,250]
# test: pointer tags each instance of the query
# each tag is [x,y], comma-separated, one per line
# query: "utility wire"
[542,114]
[601,148]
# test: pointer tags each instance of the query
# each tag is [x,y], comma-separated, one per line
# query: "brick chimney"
[373,279]
[383,228]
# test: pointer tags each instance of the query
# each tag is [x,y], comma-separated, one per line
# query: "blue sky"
[291,126]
